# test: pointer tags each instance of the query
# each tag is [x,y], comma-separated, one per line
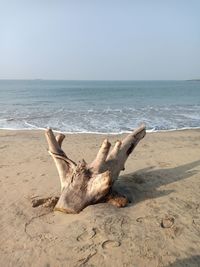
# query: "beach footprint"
[87,235]
[109,244]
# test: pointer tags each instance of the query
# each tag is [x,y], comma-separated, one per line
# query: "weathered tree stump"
[84,184]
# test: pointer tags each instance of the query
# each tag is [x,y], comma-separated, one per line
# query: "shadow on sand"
[193,261]
[143,184]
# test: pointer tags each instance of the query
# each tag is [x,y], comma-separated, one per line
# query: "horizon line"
[44,79]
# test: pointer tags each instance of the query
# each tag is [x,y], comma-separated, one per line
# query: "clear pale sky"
[100,40]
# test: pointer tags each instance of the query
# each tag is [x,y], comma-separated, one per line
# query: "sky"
[100,40]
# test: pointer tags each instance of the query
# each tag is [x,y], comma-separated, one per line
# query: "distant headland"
[193,80]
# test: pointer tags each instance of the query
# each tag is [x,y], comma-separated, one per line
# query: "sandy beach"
[162,180]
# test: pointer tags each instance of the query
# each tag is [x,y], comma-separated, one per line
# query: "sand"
[162,178]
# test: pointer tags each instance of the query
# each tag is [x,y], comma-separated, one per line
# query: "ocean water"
[99,106]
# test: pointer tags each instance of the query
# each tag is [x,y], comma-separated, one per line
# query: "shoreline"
[102,133]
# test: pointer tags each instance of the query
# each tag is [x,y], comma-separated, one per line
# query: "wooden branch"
[118,156]
[100,159]
[54,146]
[59,139]
[83,184]
[115,151]
[130,142]
[64,165]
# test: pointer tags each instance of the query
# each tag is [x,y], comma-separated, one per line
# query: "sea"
[99,106]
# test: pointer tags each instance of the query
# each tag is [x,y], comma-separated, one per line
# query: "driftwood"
[84,184]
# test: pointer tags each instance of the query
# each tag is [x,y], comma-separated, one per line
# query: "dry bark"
[84,184]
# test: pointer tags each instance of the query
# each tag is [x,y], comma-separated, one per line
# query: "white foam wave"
[33,127]
[95,132]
